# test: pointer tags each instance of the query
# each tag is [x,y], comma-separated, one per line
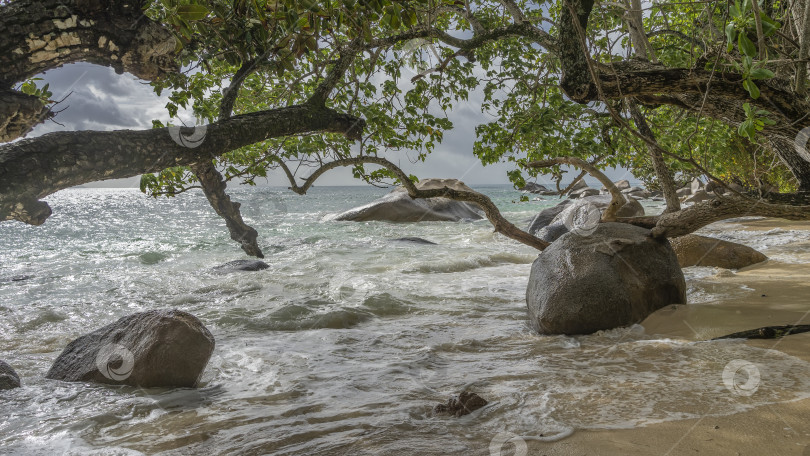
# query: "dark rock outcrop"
[534,187]
[464,404]
[695,250]
[241,265]
[398,206]
[157,348]
[550,223]
[8,378]
[614,277]
[414,240]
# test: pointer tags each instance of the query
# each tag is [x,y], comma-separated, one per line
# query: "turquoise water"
[342,346]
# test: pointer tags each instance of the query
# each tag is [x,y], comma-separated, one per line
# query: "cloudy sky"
[99,99]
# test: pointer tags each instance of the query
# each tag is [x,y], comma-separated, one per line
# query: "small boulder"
[398,206]
[583,192]
[581,184]
[8,378]
[533,187]
[241,265]
[464,404]
[615,276]
[698,197]
[550,223]
[685,191]
[157,348]
[695,250]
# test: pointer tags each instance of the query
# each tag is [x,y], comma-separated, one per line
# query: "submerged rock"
[168,348]
[614,277]
[415,240]
[398,206]
[549,224]
[464,404]
[8,378]
[241,265]
[694,250]
[534,187]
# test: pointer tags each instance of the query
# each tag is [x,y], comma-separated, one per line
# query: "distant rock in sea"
[398,206]
[157,348]
[414,240]
[241,265]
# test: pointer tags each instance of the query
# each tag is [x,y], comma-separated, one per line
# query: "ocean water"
[345,343]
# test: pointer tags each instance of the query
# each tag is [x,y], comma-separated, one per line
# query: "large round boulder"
[150,349]
[553,222]
[8,378]
[615,276]
[694,250]
[398,206]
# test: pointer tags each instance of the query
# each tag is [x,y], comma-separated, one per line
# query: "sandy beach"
[774,293]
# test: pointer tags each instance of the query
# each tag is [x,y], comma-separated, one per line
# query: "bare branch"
[617,199]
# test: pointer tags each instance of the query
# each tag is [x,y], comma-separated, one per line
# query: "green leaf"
[192,12]
[746,45]
[752,88]
[761,73]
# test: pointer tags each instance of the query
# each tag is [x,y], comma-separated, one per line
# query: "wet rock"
[8,378]
[241,265]
[549,224]
[16,278]
[685,191]
[414,240]
[698,197]
[398,206]
[583,192]
[616,276]
[157,348]
[694,250]
[464,404]
[533,187]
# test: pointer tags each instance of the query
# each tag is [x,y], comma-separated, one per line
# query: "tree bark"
[34,168]
[37,35]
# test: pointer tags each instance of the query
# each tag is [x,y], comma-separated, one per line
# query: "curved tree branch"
[491,211]
[617,199]
[34,168]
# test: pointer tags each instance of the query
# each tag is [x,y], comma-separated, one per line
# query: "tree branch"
[617,199]
[491,211]
[34,168]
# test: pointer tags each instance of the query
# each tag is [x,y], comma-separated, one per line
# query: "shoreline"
[769,293]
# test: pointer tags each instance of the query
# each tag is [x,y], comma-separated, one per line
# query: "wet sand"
[771,293]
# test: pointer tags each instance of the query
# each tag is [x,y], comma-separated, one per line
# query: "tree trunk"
[39,35]
[34,168]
